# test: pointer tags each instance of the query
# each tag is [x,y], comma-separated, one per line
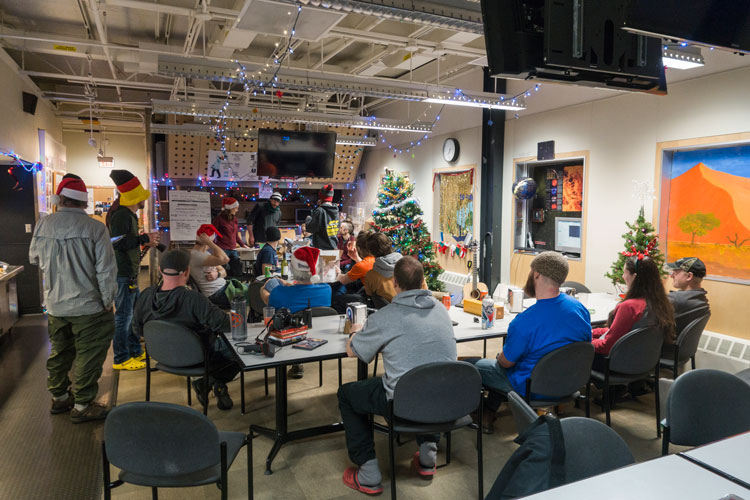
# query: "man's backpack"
[538,465]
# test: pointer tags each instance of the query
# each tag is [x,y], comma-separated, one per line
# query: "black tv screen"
[282,153]
[721,23]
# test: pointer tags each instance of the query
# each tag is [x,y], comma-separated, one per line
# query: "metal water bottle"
[488,313]
[238,316]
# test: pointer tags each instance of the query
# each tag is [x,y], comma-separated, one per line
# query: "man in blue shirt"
[304,291]
[554,321]
[267,255]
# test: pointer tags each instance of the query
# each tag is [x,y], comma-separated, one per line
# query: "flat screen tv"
[300,214]
[283,153]
[568,234]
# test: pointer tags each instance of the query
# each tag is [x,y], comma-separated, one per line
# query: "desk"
[727,458]
[247,257]
[8,298]
[659,479]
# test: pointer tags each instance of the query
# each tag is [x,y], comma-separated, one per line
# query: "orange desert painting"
[709,209]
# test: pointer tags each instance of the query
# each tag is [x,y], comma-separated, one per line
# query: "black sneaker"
[199,386]
[296,372]
[223,400]
[62,406]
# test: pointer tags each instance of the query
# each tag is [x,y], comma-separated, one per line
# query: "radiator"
[722,352]
[454,284]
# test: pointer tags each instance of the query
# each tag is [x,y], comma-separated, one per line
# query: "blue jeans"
[493,375]
[234,268]
[125,344]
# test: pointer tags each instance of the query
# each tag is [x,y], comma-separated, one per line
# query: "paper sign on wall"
[90,206]
[187,211]
[265,190]
[236,167]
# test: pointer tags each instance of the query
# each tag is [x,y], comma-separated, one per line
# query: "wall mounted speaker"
[29,103]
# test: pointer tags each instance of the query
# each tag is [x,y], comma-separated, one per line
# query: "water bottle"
[238,317]
[488,313]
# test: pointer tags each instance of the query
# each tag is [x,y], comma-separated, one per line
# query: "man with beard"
[555,320]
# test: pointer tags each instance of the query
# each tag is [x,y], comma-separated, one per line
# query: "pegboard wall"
[187,155]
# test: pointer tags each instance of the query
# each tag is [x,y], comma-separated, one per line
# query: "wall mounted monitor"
[300,214]
[284,153]
[568,234]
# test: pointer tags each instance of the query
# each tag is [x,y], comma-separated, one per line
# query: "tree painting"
[698,224]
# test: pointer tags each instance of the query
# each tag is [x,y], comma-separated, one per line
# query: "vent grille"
[723,352]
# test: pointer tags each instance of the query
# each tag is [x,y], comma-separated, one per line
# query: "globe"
[524,189]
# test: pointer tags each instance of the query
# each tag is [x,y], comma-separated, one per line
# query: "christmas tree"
[399,216]
[640,241]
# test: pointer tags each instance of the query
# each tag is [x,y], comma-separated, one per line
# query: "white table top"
[664,478]
[728,455]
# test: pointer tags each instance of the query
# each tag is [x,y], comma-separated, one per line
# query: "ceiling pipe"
[102,33]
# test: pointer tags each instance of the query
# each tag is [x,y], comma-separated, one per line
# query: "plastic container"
[239,319]
[488,313]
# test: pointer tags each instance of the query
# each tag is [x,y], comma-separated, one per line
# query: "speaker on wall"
[29,103]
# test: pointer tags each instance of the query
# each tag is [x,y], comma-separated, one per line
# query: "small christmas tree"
[640,241]
[399,216]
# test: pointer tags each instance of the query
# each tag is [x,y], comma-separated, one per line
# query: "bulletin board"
[100,201]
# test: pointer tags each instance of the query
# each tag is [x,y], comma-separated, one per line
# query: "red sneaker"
[350,479]
[424,472]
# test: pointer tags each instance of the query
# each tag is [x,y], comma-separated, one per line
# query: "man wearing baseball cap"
[324,222]
[263,215]
[173,301]
[123,228]
[80,283]
[555,320]
[687,277]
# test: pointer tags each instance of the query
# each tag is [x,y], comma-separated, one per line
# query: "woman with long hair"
[646,295]
[228,238]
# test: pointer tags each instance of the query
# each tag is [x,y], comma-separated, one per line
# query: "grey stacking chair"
[523,414]
[161,445]
[560,374]
[579,287]
[176,350]
[632,358]
[704,406]
[592,448]
[744,375]
[686,345]
[436,398]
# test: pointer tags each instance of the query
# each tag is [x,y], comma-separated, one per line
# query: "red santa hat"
[229,203]
[326,193]
[209,230]
[305,259]
[72,187]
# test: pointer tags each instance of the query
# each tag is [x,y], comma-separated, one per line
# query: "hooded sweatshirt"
[324,227]
[411,331]
[182,306]
[379,280]
[685,301]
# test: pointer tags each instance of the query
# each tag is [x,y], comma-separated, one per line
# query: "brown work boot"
[94,411]
[62,406]
[488,420]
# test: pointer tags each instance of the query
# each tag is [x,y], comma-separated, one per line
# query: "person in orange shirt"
[353,281]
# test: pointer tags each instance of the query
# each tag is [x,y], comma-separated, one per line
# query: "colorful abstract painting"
[573,189]
[709,209]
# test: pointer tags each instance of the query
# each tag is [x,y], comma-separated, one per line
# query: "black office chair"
[177,350]
[685,346]
[162,445]
[579,287]
[705,406]
[560,374]
[631,359]
[435,398]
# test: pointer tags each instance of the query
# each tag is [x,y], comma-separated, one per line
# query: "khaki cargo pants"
[84,340]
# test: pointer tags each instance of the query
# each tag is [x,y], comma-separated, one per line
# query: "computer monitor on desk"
[568,235]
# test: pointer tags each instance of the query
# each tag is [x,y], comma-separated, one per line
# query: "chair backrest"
[253,293]
[523,414]
[637,351]
[683,319]
[437,392]
[592,448]
[744,375]
[160,439]
[563,371]
[323,311]
[707,405]
[579,287]
[172,344]
[689,337]
[378,302]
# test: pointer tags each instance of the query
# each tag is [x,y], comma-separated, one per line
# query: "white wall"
[621,134]
[129,152]
[19,130]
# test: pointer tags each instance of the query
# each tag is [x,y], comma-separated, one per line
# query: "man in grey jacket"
[76,257]
[687,277]
[413,330]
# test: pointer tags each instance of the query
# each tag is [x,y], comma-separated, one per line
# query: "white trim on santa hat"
[230,206]
[74,194]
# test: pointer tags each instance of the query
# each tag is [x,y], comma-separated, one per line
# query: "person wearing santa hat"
[80,283]
[324,222]
[229,237]
[123,228]
[305,289]
[262,216]
[206,261]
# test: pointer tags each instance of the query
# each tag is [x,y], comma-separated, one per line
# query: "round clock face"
[450,150]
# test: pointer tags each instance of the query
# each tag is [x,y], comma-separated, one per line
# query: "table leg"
[242,392]
[485,349]
[361,370]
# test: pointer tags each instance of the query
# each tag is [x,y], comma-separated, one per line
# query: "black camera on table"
[284,319]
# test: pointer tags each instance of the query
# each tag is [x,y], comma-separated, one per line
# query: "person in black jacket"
[323,224]
[173,301]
